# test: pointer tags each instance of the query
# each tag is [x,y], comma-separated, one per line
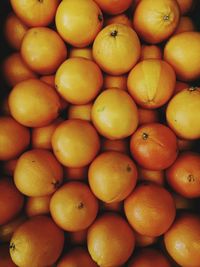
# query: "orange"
[45,243]
[150,52]
[35,12]
[74,207]
[14,138]
[185,232]
[78,237]
[112,176]
[78,257]
[114,114]
[119,82]
[151,83]
[144,240]
[41,136]
[156,21]
[185,25]
[33,103]
[14,31]
[185,5]
[52,54]
[80,173]
[110,240]
[114,6]
[157,177]
[85,52]
[150,209]
[15,70]
[11,200]
[121,145]
[38,173]
[181,52]
[82,112]
[120,18]
[78,80]
[184,175]
[37,205]
[8,167]
[180,86]
[5,259]
[75,143]
[116,49]
[149,257]
[75,17]
[183,113]
[147,115]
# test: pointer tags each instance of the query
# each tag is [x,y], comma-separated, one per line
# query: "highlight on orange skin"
[119,82]
[147,115]
[151,52]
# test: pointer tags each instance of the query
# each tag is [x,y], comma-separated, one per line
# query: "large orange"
[181,52]
[183,113]
[114,6]
[182,240]
[115,114]
[110,240]
[14,138]
[150,209]
[185,25]
[151,51]
[82,112]
[11,200]
[74,207]
[116,49]
[112,176]
[37,205]
[38,173]
[43,50]
[78,80]
[35,12]
[45,243]
[75,143]
[5,259]
[151,83]
[33,103]
[79,21]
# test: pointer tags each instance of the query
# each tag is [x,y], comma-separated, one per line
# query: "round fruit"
[146,175]
[38,173]
[156,21]
[116,49]
[115,114]
[78,80]
[37,205]
[150,52]
[80,173]
[120,19]
[182,240]
[78,237]
[151,83]
[180,86]
[110,240]
[114,7]
[147,116]
[112,176]
[111,81]
[14,138]
[185,25]
[85,52]
[74,207]
[150,209]
[33,103]
[181,52]
[144,240]
[183,113]
[121,145]
[45,243]
[154,146]
[79,21]
[185,5]
[82,112]
[75,143]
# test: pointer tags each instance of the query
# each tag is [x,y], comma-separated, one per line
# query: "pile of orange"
[99,134]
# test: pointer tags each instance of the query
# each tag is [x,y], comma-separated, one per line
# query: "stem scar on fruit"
[145,136]
[55,184]
[114,33]
[100,17]
[80,206]
[191,178]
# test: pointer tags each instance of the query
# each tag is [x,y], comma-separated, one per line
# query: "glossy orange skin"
[116,49]
[156,21]
[5,259]
[11,200]
[150,203]
[38,173]
[151,83]
[121,145]
[75,17]
[119,82]
[82,112]
[75,143]
[181,52]
[112,176]
[35,13]
[14,31]
[120,18]
[45,242]
[74,207]
[154,146]
[185,25]
[147,116]
[184,175]
[15,70]
[111,121]
[12,145]
[114,6]
[185,232]
[37,205]
[112,227]
[40,44]
[150,52]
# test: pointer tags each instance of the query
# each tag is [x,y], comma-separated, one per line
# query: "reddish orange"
[114,6]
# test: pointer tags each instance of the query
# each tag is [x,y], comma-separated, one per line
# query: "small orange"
[110,81]
[157,177]
[144,240]
[147,116]
[112,176]
[112,206]
[184,144]
[82,112]
[80,173]
[114,6]
[85,52]
[78,237]
[180,86]
[75,143]
[120,19]
[74,207]
[14,138]
[38,173]
[183,203]
[5,259]
[37,205]
[121,145]
[110,240]
[150,52]
[185,5]
[115,114]
[185,25]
